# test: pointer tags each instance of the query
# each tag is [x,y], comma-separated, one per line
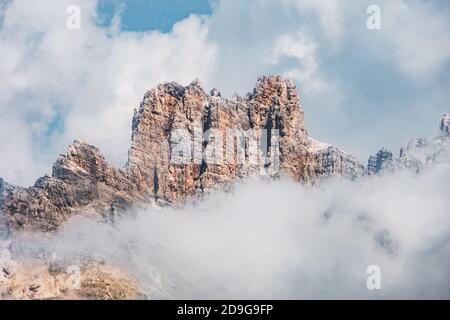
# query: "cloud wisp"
[284,240]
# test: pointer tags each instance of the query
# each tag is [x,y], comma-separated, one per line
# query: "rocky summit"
[418,153]
[185,142]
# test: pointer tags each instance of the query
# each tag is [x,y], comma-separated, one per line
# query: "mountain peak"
[445,125]
[417,154]
[185,142]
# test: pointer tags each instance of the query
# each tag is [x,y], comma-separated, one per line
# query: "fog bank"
[283,240]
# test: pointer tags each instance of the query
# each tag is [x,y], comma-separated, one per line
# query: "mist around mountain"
[279,240]
[265,240]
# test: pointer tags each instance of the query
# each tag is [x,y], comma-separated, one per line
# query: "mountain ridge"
[416,155]
[83,182]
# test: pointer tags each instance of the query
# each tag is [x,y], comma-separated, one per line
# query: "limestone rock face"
[213,132]
[323,161]
[332,162]
[184,142]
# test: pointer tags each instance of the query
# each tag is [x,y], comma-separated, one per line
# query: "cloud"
[331,15]
[417,33]
[282,240]
[412,32]
[261,37]
[304,69]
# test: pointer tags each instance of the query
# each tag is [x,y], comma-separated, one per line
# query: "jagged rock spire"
[380,161]
[445,125]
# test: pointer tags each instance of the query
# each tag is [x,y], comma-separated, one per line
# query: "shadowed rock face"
[164,168]
[380,161]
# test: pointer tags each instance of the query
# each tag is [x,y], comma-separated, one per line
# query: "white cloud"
[260,37]
[305,69]
[282,240]
[418,35]
[413,33]
[330,13]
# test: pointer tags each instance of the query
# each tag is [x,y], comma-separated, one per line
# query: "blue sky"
[144,15]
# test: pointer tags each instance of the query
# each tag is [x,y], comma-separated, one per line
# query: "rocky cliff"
[382,160]
[184,142]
